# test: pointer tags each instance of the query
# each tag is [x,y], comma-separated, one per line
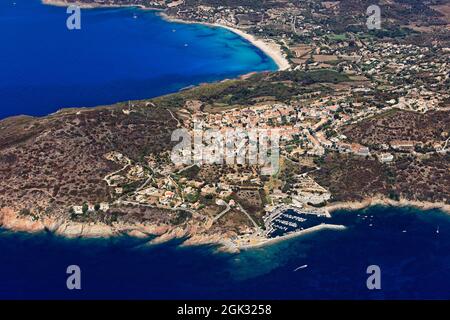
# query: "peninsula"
[363,116]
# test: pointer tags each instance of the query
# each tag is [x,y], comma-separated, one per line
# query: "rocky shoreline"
[15,222]
[384,201]
[12,221]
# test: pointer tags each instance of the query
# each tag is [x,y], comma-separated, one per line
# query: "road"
[178,121]
[251,219]
[220,215]
[116,172]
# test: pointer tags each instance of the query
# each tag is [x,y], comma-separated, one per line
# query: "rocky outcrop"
[383,201]
[10,220]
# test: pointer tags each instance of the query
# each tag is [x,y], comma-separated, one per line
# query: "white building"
[385,157]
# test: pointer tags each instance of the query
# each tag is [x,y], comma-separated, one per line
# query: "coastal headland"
[351,138]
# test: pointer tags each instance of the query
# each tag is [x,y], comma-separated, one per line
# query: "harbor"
[287,220]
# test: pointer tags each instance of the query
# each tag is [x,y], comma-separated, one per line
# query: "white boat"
[437,230]
[301,267]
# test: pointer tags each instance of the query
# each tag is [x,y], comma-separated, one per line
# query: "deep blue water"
[414,264]
[114,57]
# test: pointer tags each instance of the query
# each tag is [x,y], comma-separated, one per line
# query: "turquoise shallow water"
[414,264]
[119,54]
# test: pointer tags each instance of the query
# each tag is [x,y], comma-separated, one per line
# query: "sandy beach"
[271,49]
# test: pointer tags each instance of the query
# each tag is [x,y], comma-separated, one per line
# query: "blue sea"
[414,262]
[119,54]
